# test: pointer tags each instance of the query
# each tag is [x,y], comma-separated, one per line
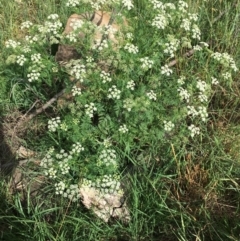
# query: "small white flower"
[165,70]
[160,21]
[53,124]
[36,58]
[129,36]
[21,60]
[202,97]
[194,130]
[114,93]
[214,81]
[76,23]
[76,148]
[184,94]
[72,37]
[90,109]
[202,111]
[12,44]
[131,48]
[146,63]
[227,75]
[59,187]
[192,111]
[105,77]
[181,80]
[196,33]
[186,24]
[123,128]
[76,90]
[26,24]
[127,4]
[182,6]
[128,104]
[53,16]
[168,125]
[73,3]
[130,85]
[34,75]
[51,172]
[151,95]
[201,85]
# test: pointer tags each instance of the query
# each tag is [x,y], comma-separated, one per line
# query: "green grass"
[192,195]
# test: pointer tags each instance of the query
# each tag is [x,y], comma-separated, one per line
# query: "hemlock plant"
[127,102]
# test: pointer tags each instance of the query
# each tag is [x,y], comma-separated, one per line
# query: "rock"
[105,206]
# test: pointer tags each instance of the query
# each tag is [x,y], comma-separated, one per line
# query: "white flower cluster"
[12,44]
[31,39]
[90,109]
[227,75]
[36,58]
[160,21]
[33,75]
[51,172]
[182,6]
[196,33]
[105,77]
[146,63]
[193,17]
[123,129]
[202,112]
[54,26]
[26,24]
[181,80]
[130,85]
[25,49]
[165,70]
[64,166]
[53,124]
[214,81]
[186,24]
[201,85]
[127,4]
[100,45]
[60,187]
[47,161]
[168,125]
[226,60]
[108,184]
[72,193]
[21,60]
[73,3]
[108,157]
[76,23]
[157,5]
[171,47]
[194,130]
[72,37]
[184,94]
[77,70]
[76,148]
[128,104]
[76,90]
[191,111]
[151,95]
[114,93]
[131,48]
[129,36]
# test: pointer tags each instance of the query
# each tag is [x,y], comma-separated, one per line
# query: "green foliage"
[138,107]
